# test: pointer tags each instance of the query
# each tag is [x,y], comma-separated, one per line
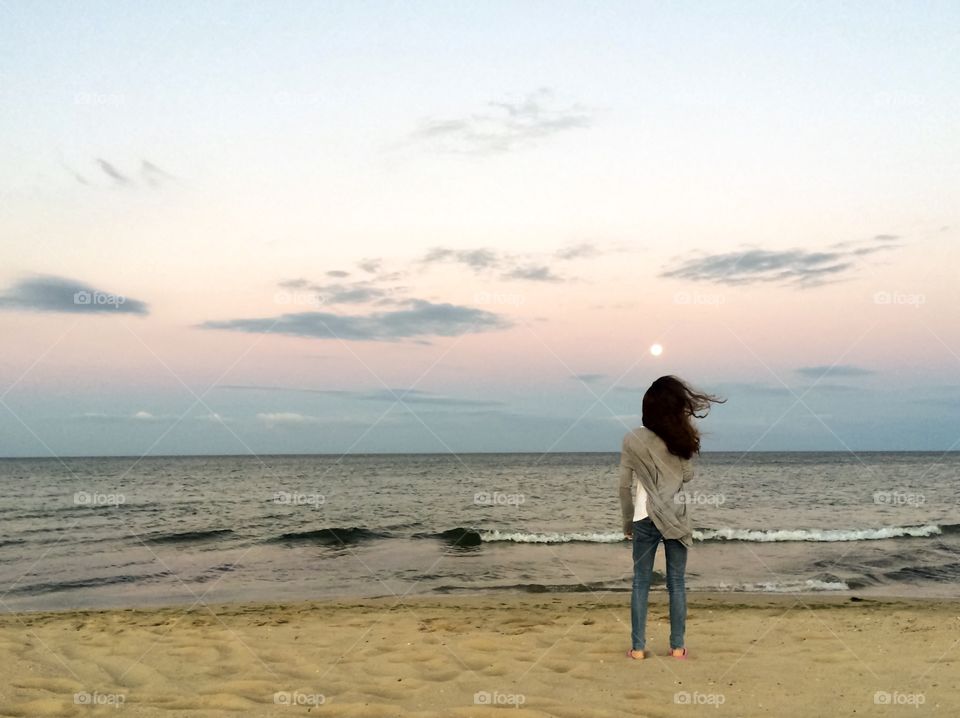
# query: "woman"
[654,466]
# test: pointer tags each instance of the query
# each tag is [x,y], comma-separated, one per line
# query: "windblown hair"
[669,406]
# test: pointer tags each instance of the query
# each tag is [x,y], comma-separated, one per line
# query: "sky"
[345,227]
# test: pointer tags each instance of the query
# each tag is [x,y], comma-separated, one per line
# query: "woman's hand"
[628,534]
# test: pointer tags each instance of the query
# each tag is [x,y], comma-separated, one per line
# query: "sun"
[656,349]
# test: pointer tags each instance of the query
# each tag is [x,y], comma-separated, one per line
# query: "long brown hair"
[669,406]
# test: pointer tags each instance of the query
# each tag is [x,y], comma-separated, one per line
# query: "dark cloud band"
[792,267]
[45,293]
[419,319]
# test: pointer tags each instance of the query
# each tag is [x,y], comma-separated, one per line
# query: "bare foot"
[678,652]
[637,655]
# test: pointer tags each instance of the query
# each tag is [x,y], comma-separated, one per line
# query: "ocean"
[123,532]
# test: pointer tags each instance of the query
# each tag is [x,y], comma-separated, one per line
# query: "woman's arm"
[687,467]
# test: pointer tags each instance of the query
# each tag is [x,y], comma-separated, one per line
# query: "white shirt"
[639,500]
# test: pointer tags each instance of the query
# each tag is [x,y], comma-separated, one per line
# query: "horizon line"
[466,453]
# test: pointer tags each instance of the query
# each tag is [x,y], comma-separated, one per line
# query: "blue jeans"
[646,537]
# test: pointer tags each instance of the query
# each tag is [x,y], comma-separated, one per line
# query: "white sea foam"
[724,534]
[788,587]
[523,537]
[729,534]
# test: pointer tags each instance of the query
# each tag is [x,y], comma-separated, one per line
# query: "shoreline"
[612,597]
[616,596]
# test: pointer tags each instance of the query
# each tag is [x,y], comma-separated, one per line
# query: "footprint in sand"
[41,707]
[52,685]
[557,666]
[253,690]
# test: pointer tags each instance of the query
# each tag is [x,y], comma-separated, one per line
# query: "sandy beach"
[530,655]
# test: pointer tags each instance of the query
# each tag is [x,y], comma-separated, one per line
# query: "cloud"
[152,175]
[361,292]
[578,251]
[418,319]
[215,418]
[825,387]
[139,417]
[146,417]
[588,378]
[791,267]
[482,260]
[835,370]
[416,396]
[148,173]
[757,265]
[407,396]
[298,389]
[45,293]
[730,389]
[531,266]
[73,173]
[760,389]
[504,127]
[113,173]
[286,418]
[355,294]
[381,289]
[473,258]
[944,395]
[534,273]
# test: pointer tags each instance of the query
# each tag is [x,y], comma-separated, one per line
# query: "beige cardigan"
[646,462]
